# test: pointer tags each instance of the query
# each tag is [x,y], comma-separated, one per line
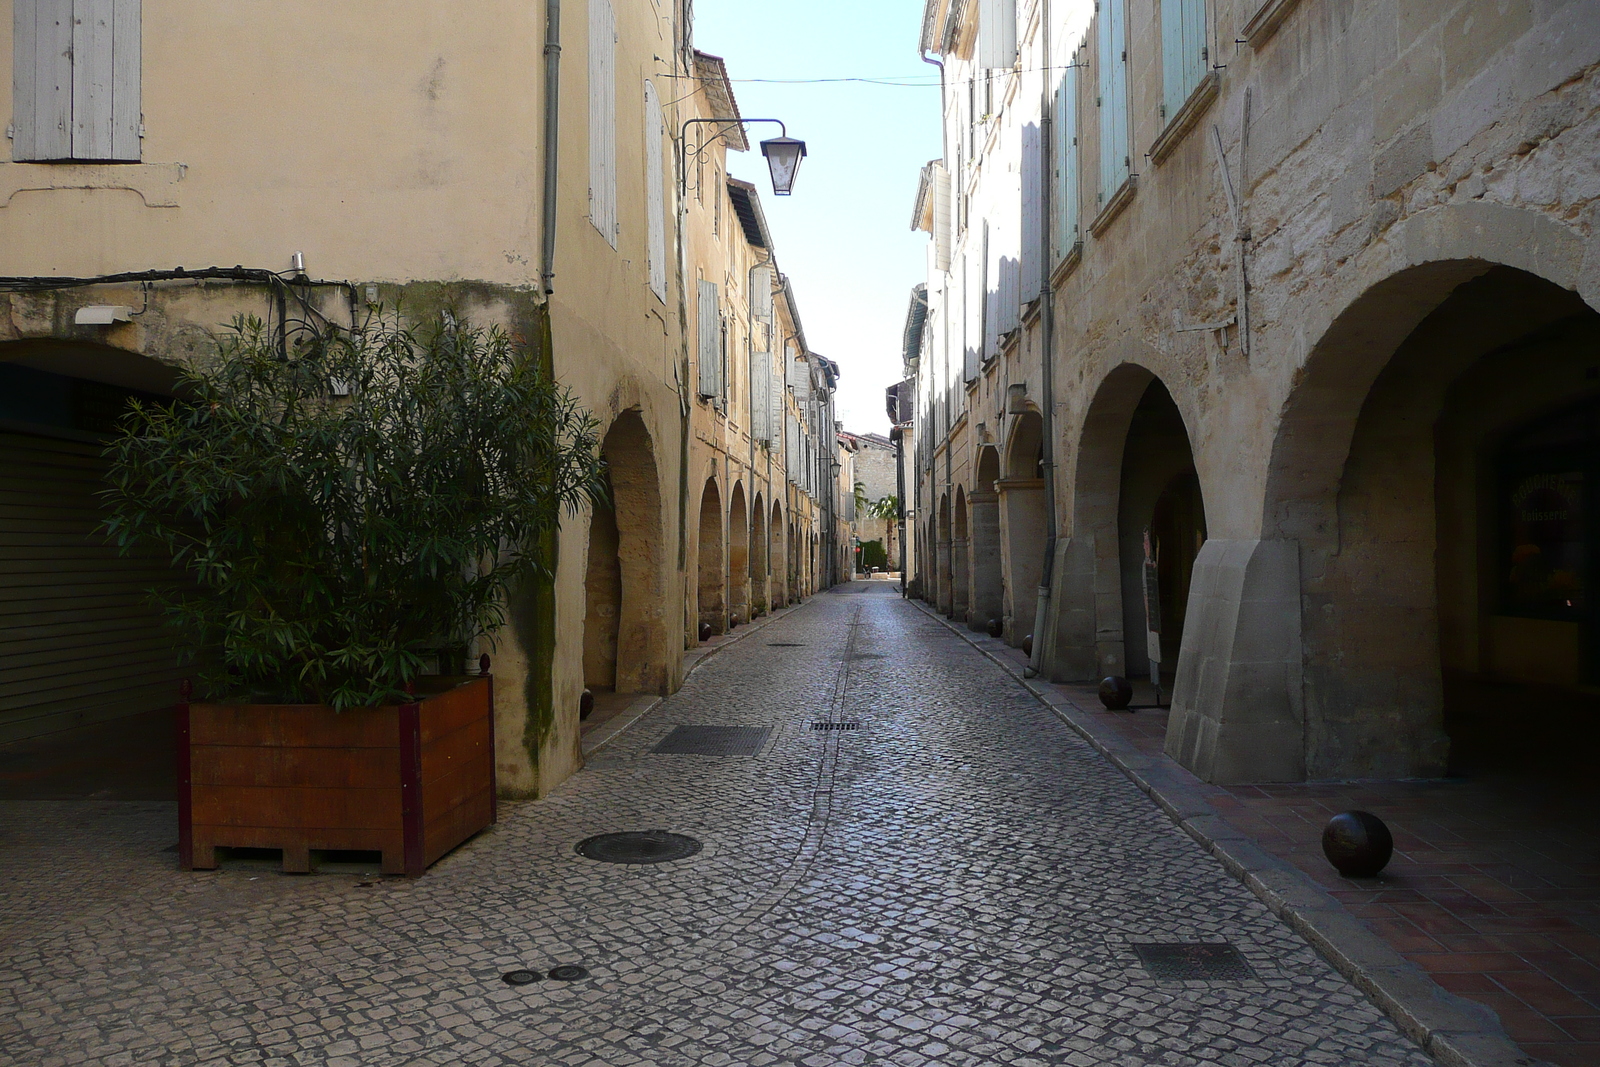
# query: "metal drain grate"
[786,644]
[1194,962]
[714,741]
[637,846]
[836,726]
[855,656]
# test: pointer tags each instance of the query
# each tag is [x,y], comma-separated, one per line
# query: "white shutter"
[603,119]
[1032,216]
[761,295]
[654,194]
[1183,52]
[941,218]
[754,386]
[42,79]
[710,348]
[997,34]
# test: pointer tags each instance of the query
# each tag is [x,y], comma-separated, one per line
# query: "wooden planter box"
[412,781]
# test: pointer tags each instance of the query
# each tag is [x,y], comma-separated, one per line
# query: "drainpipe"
[1047,344]
[552,129]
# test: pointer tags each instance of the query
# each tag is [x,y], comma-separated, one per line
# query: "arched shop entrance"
[738,558]
[988,590]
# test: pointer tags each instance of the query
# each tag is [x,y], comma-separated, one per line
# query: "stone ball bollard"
[1115,693]
[705,631]
[1027,645]
[1357,843]
[733,620]
[995,627]
[585,705]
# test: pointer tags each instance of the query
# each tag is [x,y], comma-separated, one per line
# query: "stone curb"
[647,702]
[1455,1031]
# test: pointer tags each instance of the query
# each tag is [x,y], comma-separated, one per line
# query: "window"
[709,350]
[1066,145]
[654,194]
[1111,70]
[997,34]
[603,119]
[75,92]
[1183,52]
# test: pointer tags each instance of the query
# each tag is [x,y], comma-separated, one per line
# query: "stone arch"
[960,559]
[712,575]
[942,555]
[777,557]
[987,600]
[738,557]
[625,648]
[760,589]
[1373,583]
[1023,524]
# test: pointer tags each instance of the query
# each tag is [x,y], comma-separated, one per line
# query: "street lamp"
[783,153]
[783,160]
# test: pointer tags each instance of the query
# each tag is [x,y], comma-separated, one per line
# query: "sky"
[844,238]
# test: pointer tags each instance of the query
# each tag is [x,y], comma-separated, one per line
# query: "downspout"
[1047,345]
[552,130]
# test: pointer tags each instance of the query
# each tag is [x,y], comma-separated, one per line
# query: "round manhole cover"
[568,972]
[638,846]
[519,977]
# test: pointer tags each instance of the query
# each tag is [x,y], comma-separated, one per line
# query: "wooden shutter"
[76,80]
[760,383]
[1065,131]
[1111,69]
[655,193]
[82,641]
[941,217]
[709,350]
[42,79]
[603,119]
[1032,214]
[997,34]
[1183,52]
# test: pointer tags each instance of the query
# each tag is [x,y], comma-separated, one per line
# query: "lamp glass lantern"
[783,160]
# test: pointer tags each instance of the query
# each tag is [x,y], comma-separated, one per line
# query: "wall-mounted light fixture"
[103,314]
[1017,399]
[783,153]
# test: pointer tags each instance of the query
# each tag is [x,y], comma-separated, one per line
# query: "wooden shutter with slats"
[81,641]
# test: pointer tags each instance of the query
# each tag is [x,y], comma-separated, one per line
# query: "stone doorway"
[713,603]
[738,558]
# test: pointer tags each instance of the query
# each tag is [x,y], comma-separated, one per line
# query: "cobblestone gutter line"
[647,702]
[1455,1031]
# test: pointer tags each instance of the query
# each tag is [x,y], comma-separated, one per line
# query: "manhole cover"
[836,726]
[638,846]
[1193,962]
[520,977]
[714,741]
[567,972]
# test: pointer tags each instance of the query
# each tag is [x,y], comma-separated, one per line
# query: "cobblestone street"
[962,880]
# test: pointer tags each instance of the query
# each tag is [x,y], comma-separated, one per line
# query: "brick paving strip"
[961,882]
[1456,1031]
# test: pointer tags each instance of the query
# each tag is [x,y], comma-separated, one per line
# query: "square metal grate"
[836,726]
[1194,962]
[714,741]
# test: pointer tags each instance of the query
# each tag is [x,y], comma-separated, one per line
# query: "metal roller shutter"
[79,639]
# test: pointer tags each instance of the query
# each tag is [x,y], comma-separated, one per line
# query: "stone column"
[1022,529]
[1238,710]
[987,599]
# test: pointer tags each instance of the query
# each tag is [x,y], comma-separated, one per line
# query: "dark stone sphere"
[1027,645]
[1115,693]
[733,620]
[995,627]
[705,631]
[1357,843]
[585,704]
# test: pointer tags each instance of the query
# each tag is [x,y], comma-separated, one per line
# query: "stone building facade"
[1259,348]
[518,168]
